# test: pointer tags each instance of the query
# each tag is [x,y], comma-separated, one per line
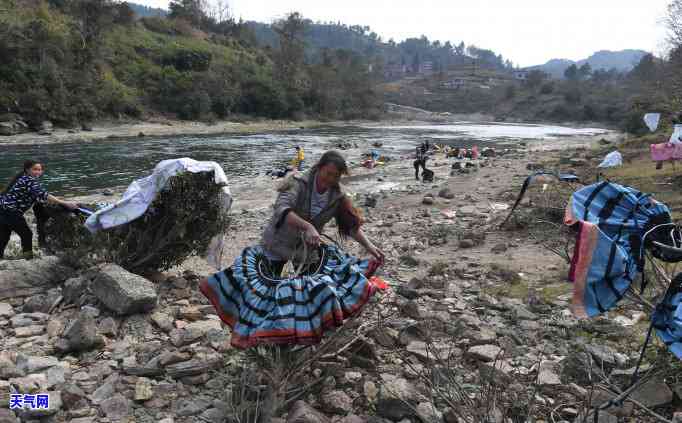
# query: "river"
[84,168]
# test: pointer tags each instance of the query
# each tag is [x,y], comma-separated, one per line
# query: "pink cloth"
[474,153]
[666,151]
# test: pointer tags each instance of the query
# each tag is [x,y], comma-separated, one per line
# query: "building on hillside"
[520,74]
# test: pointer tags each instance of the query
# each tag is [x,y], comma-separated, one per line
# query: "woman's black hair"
[28,164]
[335,158]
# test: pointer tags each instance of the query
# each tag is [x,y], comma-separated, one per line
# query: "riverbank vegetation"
[74,61]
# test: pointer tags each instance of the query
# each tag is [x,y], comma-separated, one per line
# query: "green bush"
[634,124]
[186,60]
[116,98]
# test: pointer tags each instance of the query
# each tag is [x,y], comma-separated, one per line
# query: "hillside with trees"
[617,99]
[74,61]
[411,53]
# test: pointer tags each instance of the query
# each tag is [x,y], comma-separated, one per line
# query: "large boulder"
[23,278]
[123,292]
[12,124]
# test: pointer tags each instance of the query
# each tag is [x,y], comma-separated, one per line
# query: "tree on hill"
[193,11]
[584,71]
[645,70]
[571,73]
[535,78]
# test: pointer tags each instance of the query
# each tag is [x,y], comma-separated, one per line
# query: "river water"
[88,167]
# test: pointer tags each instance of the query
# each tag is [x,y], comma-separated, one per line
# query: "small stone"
[499,249]
[337,402]
[192,407]
[108,326]
[352,377]
[214,415]
[73,289]
[57,375]
[163,321]
[602,354]
[106,390]
[55,327]
[73,396]
[143,389]
[301,412]
[428,413]
[116,407]
[548,374]
[196,380]
[6,310]
[28,331]
[81,335]
[411,309]
[8,369]
[172,357]
[88,309]
[29,364]
[486,353]
[371,391]
[466,243]
[428,200]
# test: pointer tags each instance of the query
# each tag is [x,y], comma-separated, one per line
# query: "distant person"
[474,153]
[298,161]
[23,191]
[420,161]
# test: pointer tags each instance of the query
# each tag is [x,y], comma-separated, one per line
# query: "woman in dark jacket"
[21,194]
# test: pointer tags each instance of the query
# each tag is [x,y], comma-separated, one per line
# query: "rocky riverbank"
[474,327]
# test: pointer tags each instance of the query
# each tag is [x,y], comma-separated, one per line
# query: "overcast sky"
[528,32]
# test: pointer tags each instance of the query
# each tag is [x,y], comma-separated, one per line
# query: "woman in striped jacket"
[20,195]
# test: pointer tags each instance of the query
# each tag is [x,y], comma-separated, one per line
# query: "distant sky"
[528,32]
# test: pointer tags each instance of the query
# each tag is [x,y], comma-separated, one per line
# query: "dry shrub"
[541,216]
[179,223]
